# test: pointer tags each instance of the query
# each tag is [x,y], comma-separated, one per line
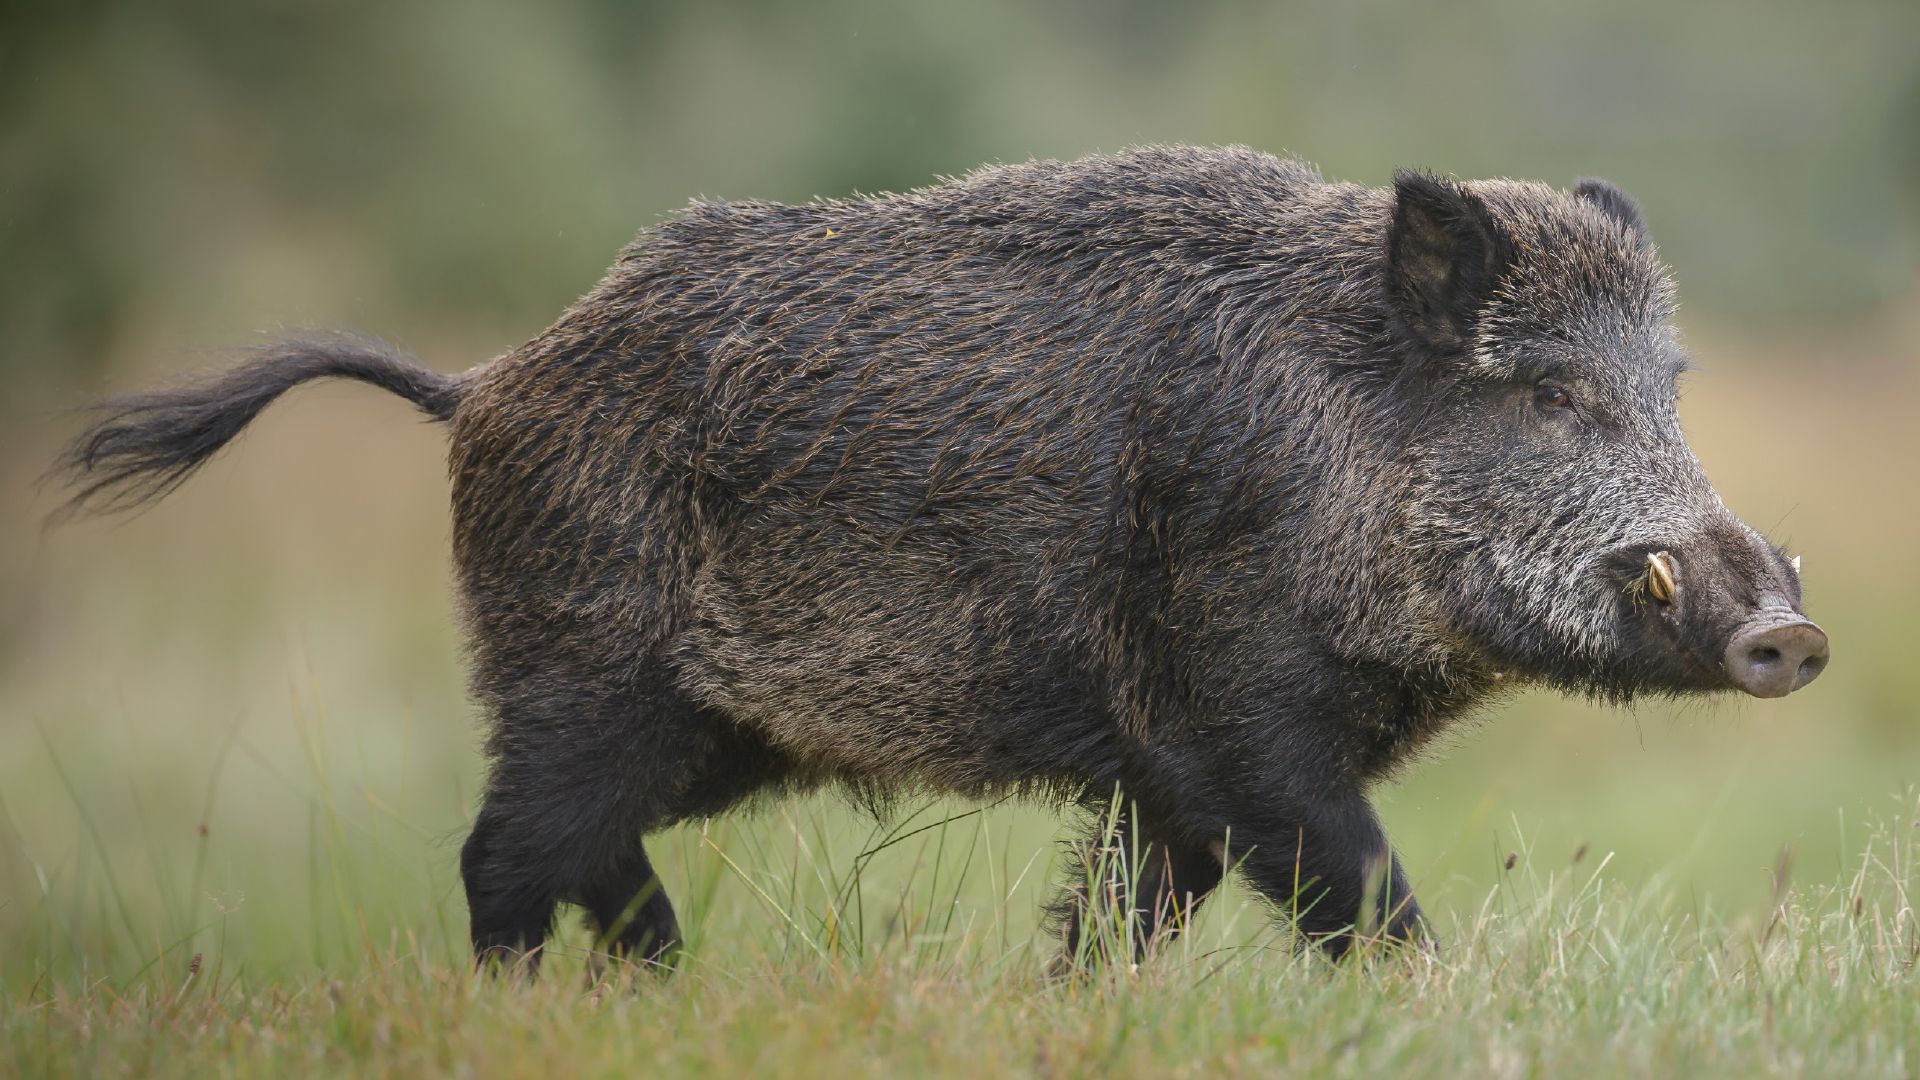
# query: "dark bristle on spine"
[143,446]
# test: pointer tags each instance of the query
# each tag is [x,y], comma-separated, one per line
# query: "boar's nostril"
[1771,658]
[1810,669]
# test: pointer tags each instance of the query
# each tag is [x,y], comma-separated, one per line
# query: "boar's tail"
[143,446]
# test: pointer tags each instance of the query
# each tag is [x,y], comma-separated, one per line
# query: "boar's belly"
[885,676]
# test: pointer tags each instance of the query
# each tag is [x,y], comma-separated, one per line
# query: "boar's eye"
[1548,396]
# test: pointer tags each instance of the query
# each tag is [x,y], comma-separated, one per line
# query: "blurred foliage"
[204,166]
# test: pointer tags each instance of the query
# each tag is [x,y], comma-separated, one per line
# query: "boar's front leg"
[1325,860]
[1132,884]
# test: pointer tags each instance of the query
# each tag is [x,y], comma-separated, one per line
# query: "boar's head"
[1563,525]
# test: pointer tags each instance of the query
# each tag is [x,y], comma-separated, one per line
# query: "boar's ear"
[1444,257]
[1616,204]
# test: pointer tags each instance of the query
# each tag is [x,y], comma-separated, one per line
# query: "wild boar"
[1180,473]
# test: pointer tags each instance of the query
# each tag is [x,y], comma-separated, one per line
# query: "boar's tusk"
[1796,563]
[1659,577]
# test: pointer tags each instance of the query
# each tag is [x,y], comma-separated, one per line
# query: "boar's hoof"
[1774,658]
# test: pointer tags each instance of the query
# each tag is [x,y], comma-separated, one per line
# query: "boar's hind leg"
[510,912]
[631,913]
[579,776]
[1131,885]
[626,900]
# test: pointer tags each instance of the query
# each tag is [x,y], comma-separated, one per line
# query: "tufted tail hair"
[143,446]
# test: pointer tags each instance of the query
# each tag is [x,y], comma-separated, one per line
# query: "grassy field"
[807,959]
[236,762]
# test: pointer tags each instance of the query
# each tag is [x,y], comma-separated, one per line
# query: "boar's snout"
[1776,653]
[1728,604]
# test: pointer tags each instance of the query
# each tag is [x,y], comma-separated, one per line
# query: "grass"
[823,943]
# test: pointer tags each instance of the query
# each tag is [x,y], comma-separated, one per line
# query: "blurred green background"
[182,174]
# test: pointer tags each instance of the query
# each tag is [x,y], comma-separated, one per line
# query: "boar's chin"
[1641,664]
[1615,664]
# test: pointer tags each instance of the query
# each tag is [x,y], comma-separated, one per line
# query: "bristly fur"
[145,445]
[1180,471]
